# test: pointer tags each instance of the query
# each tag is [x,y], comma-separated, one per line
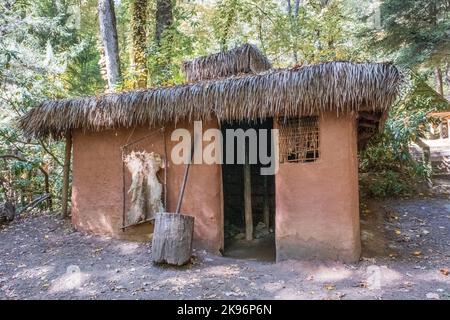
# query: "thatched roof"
[244,59]
[339,86]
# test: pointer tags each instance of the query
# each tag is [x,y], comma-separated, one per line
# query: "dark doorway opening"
[237,244]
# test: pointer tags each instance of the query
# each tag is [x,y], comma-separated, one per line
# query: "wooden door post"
[266,210]
[248,197]
[66,175]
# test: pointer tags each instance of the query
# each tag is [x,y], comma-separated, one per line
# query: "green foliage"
[387,184]
[44,53]
[387,166]
[414,31]
[165,58]
[318,31]
[48,50]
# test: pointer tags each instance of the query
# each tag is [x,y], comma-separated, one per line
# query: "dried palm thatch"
[244,59]
[335,86]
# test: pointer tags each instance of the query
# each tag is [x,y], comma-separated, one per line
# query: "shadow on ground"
[405,256]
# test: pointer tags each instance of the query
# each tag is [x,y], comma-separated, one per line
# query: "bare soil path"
[406,255]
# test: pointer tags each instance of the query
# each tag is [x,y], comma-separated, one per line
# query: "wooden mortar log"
[172,238]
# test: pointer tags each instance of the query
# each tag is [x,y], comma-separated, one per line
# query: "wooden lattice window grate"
[299,139]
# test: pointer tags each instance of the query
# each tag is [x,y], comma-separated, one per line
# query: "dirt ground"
[405,256]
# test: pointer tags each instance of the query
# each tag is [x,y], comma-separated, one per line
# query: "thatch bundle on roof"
[338,86]
[244,59]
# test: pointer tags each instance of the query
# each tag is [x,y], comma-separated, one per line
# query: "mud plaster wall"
[317,205]
[97,187]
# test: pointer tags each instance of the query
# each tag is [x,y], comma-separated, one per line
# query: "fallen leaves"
[97,250]
[330,287]
[444,271]
[417,253]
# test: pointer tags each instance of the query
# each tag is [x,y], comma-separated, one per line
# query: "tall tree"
[108,33]
[414,31]
[164,17]
[139,41]
[227,17]
[294,26]
[37,44]
[162,44]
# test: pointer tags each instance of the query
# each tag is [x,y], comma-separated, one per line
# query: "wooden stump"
[7,212]
[172,238]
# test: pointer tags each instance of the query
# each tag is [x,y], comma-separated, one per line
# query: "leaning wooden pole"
[66,175]
[248,198]
[185,177]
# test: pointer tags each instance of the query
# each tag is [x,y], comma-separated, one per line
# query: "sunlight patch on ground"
[288,294]
[34,273]
[432,275]
[226,270]
[389,277]
[179,283]
[127,248]
[72,279]
[333,274]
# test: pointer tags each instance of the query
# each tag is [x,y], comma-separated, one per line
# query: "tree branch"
[44,146]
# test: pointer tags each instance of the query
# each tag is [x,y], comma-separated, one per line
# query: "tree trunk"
[66,175]
[172,238]
[139,40]
[293,18]
[438,79]
[164,18]
[108,33]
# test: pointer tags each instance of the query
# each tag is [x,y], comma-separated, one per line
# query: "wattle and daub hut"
[324,113]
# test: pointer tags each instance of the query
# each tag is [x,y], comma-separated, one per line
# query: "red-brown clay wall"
[97,187]
[317,205]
